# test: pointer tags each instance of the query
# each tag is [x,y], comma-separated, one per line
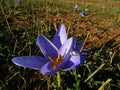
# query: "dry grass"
[22,22]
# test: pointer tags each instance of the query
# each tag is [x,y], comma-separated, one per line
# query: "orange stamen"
[56,61]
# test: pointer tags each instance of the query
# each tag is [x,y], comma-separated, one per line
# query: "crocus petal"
[84,51]
[47,70]
[64,50]
[68,47]
[47,47]
[34,62]
[73,62]
[60,36]
[78,47]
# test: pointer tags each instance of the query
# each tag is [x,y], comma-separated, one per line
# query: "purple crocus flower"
[75,6]
[82,14]
[16,0]
[56,54]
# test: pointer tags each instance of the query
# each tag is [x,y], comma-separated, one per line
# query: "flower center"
[57,60]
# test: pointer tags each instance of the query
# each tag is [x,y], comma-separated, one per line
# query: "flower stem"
[58,79]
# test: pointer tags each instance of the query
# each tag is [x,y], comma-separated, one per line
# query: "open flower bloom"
[56,54]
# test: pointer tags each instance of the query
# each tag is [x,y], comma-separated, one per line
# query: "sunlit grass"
[22,22]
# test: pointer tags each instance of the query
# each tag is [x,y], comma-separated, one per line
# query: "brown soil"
[100,28]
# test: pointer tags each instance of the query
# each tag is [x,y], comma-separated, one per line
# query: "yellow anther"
[56,61]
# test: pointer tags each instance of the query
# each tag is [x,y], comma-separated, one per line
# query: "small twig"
[111,57]
[15,45]
[94,72]
[85,41]
[104,84]
[2,84]
[23,48]
[12,77]
[68,28]
[55,26]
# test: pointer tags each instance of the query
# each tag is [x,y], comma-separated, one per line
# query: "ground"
[99,28]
